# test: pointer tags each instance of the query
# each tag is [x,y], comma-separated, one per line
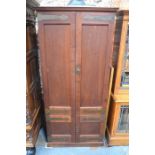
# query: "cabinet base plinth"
[93,144]
[117,140]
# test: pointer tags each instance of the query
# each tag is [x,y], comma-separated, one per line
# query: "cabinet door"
[94,40]
[57,44]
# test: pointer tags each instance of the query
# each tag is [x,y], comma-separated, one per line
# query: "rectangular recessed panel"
[60,17]
[58,110]
[89,128]
[58,128]
[94,41]
[59,138]
[99,17]
[93,118]
[91,114]
[91,110]
[58,114]
[90,138]
[58,118]
[58,57]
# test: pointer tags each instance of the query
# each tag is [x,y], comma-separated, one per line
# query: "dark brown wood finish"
[76,9]
[57,44]
[94,39]
[76,50]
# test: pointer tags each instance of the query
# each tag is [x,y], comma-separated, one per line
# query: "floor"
[42,149]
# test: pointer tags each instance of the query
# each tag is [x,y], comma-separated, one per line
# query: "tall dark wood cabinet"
[33,91]
[76,54]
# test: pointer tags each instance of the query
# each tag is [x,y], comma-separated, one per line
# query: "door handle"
[78,69]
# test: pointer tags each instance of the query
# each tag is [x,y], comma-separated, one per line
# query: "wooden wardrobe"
[75,55]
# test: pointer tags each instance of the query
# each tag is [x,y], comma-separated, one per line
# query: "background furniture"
[33,91]
[118,118]
[76,55]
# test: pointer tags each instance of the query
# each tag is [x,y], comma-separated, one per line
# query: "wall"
[123,4]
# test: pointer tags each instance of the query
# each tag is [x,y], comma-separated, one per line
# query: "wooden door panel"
[59,132]
[57,61]
[94,38]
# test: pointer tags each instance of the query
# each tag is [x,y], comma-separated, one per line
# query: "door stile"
[73,46]
[78,72]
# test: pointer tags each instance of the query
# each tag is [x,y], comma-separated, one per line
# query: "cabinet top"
[85,9]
